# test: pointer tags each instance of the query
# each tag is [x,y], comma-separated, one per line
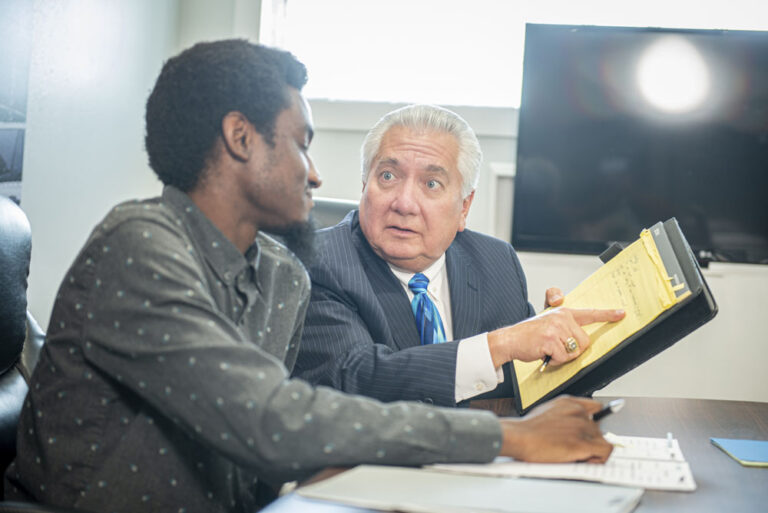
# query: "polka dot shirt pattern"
[163,385]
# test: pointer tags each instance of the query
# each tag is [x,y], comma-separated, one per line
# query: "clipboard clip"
[614,249]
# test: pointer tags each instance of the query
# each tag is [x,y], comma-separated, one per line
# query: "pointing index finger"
[585,316]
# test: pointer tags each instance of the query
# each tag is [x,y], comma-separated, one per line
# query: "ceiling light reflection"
[673,76]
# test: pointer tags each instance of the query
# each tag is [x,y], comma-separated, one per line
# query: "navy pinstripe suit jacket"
[360,335]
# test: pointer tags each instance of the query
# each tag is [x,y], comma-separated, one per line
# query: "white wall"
[93,64]
[725,359]
[92,68]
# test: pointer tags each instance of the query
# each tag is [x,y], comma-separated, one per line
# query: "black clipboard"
[670,326]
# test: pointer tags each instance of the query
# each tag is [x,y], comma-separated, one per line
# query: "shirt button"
[479,386]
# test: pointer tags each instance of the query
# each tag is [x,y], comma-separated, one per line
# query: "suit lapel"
[463,280]
[388,292]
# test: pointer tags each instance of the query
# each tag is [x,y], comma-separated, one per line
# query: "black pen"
[611,407]
[546,362]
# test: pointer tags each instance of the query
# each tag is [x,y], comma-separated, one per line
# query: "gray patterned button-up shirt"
[163,384]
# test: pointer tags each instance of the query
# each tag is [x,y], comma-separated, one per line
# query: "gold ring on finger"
[571,345]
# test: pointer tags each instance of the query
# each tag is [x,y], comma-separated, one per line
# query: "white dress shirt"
[475,373]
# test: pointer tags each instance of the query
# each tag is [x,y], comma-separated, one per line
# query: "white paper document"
[650,463]
[415,490]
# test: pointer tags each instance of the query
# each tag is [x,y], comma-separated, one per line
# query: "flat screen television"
[622,127]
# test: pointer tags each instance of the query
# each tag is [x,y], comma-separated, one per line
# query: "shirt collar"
[225,259]
[434,274]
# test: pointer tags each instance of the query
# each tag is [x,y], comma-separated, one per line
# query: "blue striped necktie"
[428,320]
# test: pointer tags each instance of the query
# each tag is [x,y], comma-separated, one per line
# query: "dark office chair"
[328,211]
[20,338]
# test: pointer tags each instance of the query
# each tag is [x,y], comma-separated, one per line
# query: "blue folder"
[750,453]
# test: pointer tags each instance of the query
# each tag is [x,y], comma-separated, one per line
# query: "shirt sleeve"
[475,373]
[156,331]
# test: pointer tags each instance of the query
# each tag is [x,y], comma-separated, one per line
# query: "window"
[455,52]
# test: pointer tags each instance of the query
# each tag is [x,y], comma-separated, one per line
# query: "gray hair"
[429,117]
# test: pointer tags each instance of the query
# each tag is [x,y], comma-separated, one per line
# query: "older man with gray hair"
[406,303]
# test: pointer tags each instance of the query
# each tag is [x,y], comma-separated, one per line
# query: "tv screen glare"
[622,127]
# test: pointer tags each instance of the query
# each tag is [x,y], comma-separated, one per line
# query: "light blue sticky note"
[750,453]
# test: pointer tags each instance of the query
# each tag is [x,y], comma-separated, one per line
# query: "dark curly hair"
[198,87]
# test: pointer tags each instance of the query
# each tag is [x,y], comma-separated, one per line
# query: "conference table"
[723,485]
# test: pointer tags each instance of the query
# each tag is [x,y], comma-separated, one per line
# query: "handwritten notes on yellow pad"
[634,280]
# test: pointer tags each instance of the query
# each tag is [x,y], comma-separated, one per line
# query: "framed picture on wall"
[11,158]
[16,44]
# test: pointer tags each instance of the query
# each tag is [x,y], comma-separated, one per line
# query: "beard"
[299,238]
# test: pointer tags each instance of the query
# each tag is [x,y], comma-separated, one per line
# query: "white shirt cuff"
[475,373]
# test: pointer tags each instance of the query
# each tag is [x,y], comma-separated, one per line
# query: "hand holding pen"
[554,297]
[576,338]
[611,407]
[555,332]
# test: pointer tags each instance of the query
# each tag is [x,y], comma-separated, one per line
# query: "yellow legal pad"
[635,280]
